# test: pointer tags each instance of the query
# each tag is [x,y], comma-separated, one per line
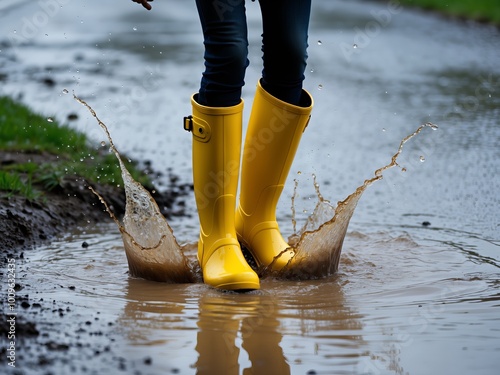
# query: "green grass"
[478,10]
[12,184]
[22,130]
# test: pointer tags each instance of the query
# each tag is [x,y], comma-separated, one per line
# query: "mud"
[25,224]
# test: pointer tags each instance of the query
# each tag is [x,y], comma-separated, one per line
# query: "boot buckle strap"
[199,128]
[188,123]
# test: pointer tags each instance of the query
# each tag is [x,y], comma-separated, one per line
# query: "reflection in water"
[242,333]
[224,318]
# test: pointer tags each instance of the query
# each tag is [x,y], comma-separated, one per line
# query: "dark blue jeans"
[284,46]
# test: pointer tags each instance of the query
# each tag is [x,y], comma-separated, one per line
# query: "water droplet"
[320,87]
[103,143]
[50,119]
[431,125]
[299,172]
[319,42]
[312,70]
[134,28]
[422,159]
[383,129]
[403,169]
[354,45]
[65,91]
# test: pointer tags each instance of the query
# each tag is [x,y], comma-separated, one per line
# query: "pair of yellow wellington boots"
[273,135]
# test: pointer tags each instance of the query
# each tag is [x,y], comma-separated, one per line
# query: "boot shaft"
[274,132]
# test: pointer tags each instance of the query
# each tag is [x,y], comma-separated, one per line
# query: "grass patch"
[482,10]
[71,154]
[12,184]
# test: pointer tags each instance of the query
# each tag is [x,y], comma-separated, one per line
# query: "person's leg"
[284,46]
[226,48]
[280,113]
[216,126]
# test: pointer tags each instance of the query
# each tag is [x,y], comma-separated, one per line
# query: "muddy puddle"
[393,299]
[407,298]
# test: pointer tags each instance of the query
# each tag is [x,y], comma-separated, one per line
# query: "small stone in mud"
[72,287]
[25,305]
[85,244]
[426,223]
[148,360]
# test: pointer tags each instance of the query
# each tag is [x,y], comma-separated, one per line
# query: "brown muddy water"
[407,298]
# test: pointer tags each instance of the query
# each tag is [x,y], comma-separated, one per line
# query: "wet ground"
[408,298]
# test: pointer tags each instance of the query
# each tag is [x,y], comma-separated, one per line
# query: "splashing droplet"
[355,46]
[65,91]
[431,125]
[134,28]
[422,159]
[50,119]
[320,87]
[103,143]
[319,42]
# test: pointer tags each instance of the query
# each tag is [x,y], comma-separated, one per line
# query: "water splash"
[153,252]
[151,248]
[318,244]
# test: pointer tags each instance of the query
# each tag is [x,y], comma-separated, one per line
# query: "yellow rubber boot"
[274,132]
[216,163]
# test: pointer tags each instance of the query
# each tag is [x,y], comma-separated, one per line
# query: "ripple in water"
[153,252]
